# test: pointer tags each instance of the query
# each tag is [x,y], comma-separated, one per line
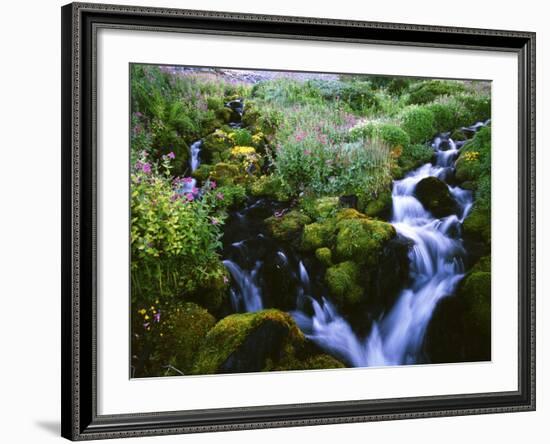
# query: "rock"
[379,206]
[184,330]
[436,197]
[216,147]
[317,235]
[361,239]
[269,186]
[342,280]
[288,226]
[324,255]
[477,226]
[202,172]
[225,173]
[253,342]
[460,330]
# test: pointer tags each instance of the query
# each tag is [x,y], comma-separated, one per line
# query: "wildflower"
[187,179]
[215,220]
[171,155]
[213,184]
[190,197]
[146,168]
[219,196]
[142,311]
[307,152]
[195,190]
[146,317]
[156,317]
[146,324]
[225,279]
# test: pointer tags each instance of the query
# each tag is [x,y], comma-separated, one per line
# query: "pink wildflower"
[190,197]
[219,196]
[171,155]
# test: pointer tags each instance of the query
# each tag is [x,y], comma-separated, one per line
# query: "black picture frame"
[80,420]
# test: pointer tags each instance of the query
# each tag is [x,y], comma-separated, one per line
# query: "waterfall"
[195,150]
[247,294]
[436,267]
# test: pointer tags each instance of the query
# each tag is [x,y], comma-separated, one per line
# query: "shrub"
[427,91]
[419,123]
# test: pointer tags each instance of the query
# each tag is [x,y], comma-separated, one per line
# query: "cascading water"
[436,267]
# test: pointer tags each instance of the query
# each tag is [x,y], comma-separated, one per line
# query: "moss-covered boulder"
[436,197]
[460,330]
[288,226]
[183,330]
[225,173]
[412,157]
[269,186]
[362,239]
[317,235]
[477,225]
[252,342]
[216,147]
[379,206]
[324,255]
[342,281]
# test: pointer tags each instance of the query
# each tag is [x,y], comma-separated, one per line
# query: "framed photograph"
[280,221]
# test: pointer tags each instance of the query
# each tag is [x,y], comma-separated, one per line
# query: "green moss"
[225,173]
[484,264]
[429,90]
[269,186]
[476,289]
[349,213]
[342,283]
[224,114]
[316,362]
[228,336]
[375,207]
[435,196]
[457,135]
[324,255]
[202,172]
[184,330]
[478,224]
[317,234]
[213,290]
[419,123]
[362,239]
[288,226]
[216,147]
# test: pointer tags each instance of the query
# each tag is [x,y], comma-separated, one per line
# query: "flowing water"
[262,270]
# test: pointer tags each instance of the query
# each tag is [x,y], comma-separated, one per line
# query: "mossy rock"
[288,226]
[316,362]
[460,330]
[216,147]
[225,173]
[269,186]
[342,281]
[412,157]
[467,169]
[324,207]
[224,114]
[202,172]
[477,225]
[317,235]
[324,255]
[379,206]
[458,135]
[349,213]
[483,264]
[362,239]
[246,342]
[184,330]
[436,197]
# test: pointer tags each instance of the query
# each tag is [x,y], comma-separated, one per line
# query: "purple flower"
[146,324]
[195,190]
[156,317]
[190,197]
[219,196]
[171,155]
[187,179]
[215,221]
[146,168]
[212,184]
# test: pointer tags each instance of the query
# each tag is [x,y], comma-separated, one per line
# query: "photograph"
[289,220]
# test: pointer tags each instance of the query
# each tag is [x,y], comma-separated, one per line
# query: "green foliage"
[428,90]
[174,237]
[389,133]
[414,156]
[324,255]
[317,235]
[419,123]
[241,137]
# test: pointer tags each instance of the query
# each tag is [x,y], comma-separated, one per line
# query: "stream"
[267,273]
